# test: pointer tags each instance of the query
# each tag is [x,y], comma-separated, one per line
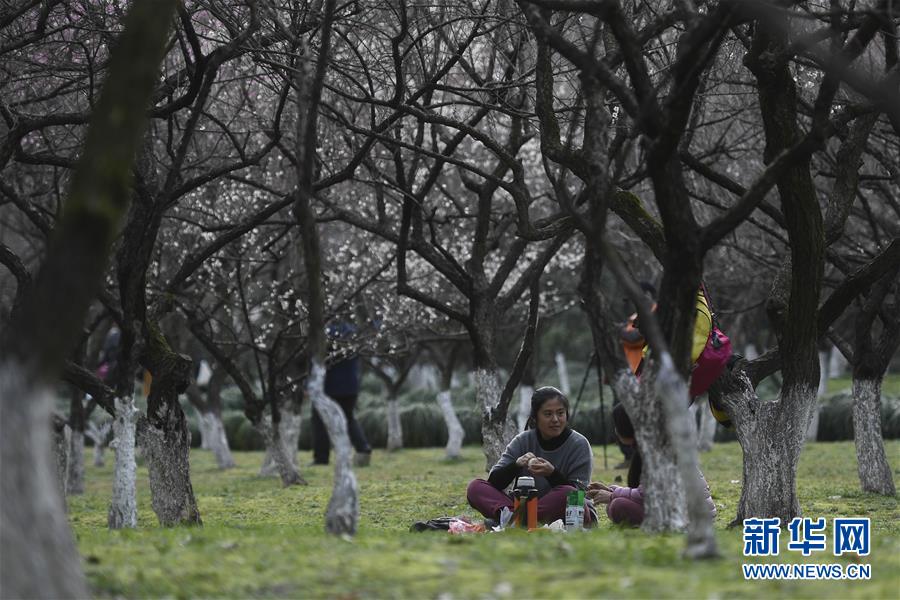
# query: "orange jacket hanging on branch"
[636,347]
[148,380]
[633,342]
[705,333]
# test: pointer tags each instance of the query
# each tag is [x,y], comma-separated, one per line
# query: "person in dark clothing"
[109,354]
[342,381]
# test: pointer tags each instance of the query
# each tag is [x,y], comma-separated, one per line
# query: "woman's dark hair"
[634,469]
[625,428]
[621,422]
[541,395]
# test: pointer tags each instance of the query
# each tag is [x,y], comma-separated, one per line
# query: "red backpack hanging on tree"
[714,356]
[710,351]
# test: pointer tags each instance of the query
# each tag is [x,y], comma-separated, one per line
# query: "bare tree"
[343,508]
[45,325]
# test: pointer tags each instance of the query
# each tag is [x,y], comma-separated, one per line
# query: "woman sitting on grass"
[626,504]
[558,458]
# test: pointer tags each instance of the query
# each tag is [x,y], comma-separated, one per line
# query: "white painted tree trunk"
[430,377]
[824,372]
[123,506]
[98,455]
[290,433]
[455,432]
[342,516]
[664,498]
[671,388]
[456,379]
[75,467]
[495,436]
[837,364]
[40,559]
[203,425]
[98,435]
[706,429]
[525,393]
[394,426]
[771,435]
[212,429]
[169,466]
[812,431]
[424,376]
[281,448]
[61,449]
[562,370]
[290,436]
[874,471]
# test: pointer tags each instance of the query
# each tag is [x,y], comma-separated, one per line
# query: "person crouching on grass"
[625,504]
[558,457]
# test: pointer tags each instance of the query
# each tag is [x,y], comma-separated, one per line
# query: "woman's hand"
[599,496]
[599,493]
[598,485]
[541,467]
[522,461]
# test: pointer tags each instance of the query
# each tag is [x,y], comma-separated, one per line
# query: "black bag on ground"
[439,524]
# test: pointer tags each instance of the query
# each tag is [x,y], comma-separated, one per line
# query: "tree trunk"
[562,372]
[343,507]
[213,432]
[99,435]
[394,426]
[771,435]
[164,435]
[525,393]
[61,435]
[123,507]
[706,430]
[98,455]
[672,389]
[281,448]
[874,471]
[203,425]
[209,417]
[455,432]
[75,467]
[39,557]
[201,408]
[664,497]
[75,470]
[769,477]
[168,462]
[812,431]
[495,435]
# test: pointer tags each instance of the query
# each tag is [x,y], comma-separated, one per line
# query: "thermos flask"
[525,501]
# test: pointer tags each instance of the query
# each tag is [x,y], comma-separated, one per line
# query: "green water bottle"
[575,510]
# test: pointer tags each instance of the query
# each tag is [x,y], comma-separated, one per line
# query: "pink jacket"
[636,495]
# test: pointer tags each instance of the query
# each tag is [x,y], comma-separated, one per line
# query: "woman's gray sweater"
[572,461]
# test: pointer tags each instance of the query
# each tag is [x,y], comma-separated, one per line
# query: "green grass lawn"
[259,540]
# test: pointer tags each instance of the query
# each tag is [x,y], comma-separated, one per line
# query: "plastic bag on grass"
[455,525]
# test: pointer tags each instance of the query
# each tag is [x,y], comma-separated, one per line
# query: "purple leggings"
[625,510]
[489,501]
